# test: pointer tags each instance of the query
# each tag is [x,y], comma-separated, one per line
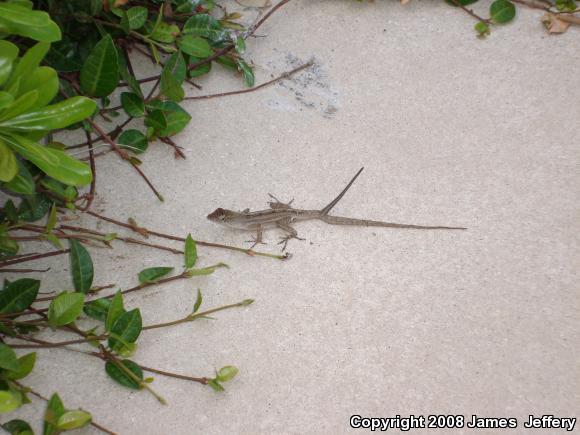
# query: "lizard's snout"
[217,215]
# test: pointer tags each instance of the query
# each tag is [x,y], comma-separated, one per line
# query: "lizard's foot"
[284,240]
[255,241]
[277,204]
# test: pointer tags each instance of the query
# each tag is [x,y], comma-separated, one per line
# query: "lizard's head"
[219,215]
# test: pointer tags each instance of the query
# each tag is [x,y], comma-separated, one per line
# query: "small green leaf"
[133,140]
[198,302]
[8,359]
[203,25]
[152,274]
[482,29]
[133,104]
[115,310]
[137,16]
[97,309]
[26,364]
[65,309]
[502,11]
[20,20]
[18,295]
[226,373]
[17,427]
[100,72]
[195,46]
[73,420]
[29,61]
[170,87]
[54,409]
[51,221]
[176,64]
[9,400]
[200,69]
[247,73]
[8,164]
[119,376]
[127,327]
[165,32]
[190,252]
[81,267]
[215,385]
[241,45]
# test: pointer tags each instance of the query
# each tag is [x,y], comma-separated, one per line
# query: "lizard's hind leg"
[277,204]
[292,233]
[257,238]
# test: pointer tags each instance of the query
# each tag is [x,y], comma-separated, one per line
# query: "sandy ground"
[451,130]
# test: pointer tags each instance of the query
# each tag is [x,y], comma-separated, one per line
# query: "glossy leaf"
[73,420]
[18,295]
[29,61]
[127,328]
[22,104]
[43,80]
[174,117]
[8,164]
[136,17]
[54,163]
[133,140]
[119,376]
[6,99]
[116,309]
[133,104]
[26,364]
[65,309]
[81,267]
[9,400]
[17,427]
[195,46]
[54,409]
[8,359]
[52,117]
[97,309]
[21,21]
[8,53]
[152,274]
[22,183]
[100,72]
[190,252]
[502,11]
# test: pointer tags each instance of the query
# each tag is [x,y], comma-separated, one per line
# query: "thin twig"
[469,11]
[255,88]
[32,257]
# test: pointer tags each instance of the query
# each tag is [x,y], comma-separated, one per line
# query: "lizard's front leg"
[292,233]
[258,238]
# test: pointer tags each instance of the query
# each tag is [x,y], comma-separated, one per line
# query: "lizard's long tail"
[339,220]
[329,207]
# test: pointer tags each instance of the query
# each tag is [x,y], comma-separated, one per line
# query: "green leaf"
[190,252]
[26,364]
[119,376]
[9,400]
[22,104]
[482,29]
[64,56]
[65,309]
[156,119]
[247,73]
[54,409]
[29,62]
[170,87]
[51,221]
[204,25]
[164,32]
[127,76]
[241,45]
[226,373]
[52,117]
[195,46]
[6,99]
[127,328]
[52,162]
[133,104]
[17,427]
[73,420]
[22,183]
[18,295]
[8,164]
[502,11]
[8,247]
[8,53]
[100,72]
[116,309]
[152,274]
[136,16]
[198,70]
[215,385]
[98,309]
[133,140]
[43,80]
[81,267]
[174,117]
[198,302]
[176,64]
[8,359]
[20,20]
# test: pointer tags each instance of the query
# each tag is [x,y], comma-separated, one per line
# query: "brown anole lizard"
[282,215]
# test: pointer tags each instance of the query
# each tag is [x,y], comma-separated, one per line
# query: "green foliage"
[153,274]
[65,308]
[81,267]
